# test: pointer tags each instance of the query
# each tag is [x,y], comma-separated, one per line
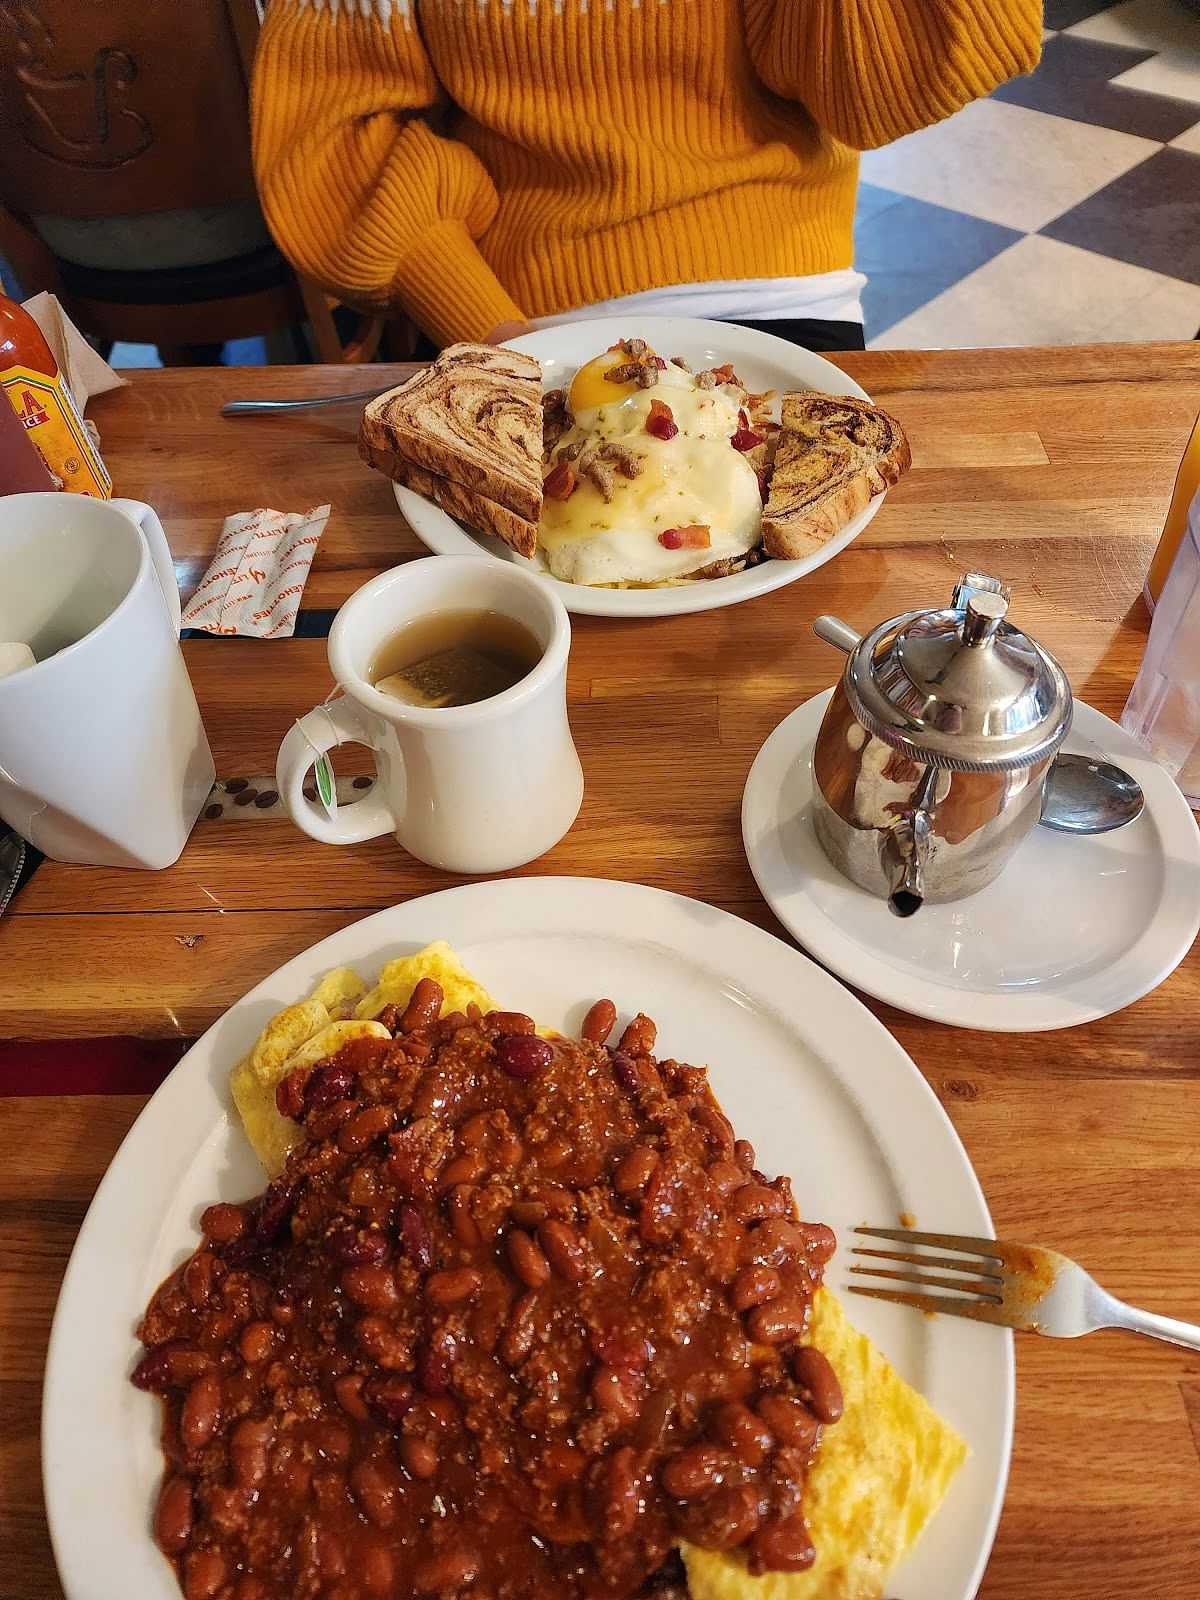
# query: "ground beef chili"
[518,1317]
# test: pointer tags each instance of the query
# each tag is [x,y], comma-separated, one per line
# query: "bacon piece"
[560,482]
[661,420]
[744,440]
[696,536]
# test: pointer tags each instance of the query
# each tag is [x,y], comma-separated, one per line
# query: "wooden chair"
[128,110]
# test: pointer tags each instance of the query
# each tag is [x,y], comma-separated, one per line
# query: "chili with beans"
[518,1317]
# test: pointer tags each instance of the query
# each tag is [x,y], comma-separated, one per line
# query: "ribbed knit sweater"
[479,161]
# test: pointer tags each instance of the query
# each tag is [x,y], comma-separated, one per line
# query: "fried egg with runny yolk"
[694,480]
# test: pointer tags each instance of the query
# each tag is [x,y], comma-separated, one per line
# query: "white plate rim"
[442,534]
[1159,950]
[744,956]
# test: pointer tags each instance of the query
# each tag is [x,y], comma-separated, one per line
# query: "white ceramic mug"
[476,788]
[103,758]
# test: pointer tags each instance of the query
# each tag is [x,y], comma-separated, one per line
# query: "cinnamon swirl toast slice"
[463,504]
[474,417]
[835,454]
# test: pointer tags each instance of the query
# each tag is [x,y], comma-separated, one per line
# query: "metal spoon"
[245,408]
[1084,795]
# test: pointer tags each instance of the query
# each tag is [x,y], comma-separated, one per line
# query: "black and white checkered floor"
[1065,208]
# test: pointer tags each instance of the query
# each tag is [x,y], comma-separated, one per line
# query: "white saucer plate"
[761,360]
[801,1066]
[1073,929]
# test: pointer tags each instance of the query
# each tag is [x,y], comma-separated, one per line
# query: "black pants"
[812,332]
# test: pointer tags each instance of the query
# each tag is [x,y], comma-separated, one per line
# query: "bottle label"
[47,411]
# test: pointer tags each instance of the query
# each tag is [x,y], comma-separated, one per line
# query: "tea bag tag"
[322,768]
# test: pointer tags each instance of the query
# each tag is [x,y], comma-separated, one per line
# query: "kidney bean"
[599,1022]
[625,1071]
[462,1221]
[743,1154]
[423,1006]
[419,1457]
[377,1569]
[789,1420]
[820,1242]
[203,1574]
[517,1340]
[634,1172]
[618,1348]
[435,1363]
[467,1168]
[249,1448]
[450,1568]
[775,1241]
[523,1055]
[348,1392]
[639,1036]
[222,1223]
[452,1022]
[753,1285]
[358,1246]
[376,1487]
[201,1413]
[729,1516]
[390,1398]
[818,1381]
[364,1128]
[326,1085]
[558,1202]
[622,1492]
[782,1547]
[416,1238]
[273,1212]
[387,1346]
[779,1321]
[173,1516]
[746,1435]
[331,1554]
[510,1022]
[199,1277]
[508,1151]
[172,1365]
[289,1096]
[248,1587]
[528,1212]
[528,1260]
[696,1470]
[373,1288]
[226,1506]
[615,1391]
[725,1177]
[754,1201]
[453,1287]
[257,1342]
[564,1250]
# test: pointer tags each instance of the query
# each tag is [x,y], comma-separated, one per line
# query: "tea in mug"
[454,658]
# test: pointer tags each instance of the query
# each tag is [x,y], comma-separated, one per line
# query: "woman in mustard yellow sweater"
[487,163]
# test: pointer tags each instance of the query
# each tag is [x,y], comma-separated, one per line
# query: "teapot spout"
[906,851]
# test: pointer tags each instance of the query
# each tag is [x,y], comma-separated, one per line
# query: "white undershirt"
[830,296]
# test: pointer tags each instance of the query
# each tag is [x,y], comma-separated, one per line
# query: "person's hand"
[507,330]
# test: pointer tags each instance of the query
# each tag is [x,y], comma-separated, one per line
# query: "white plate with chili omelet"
[799,1066]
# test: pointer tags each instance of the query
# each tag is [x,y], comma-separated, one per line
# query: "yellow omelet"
[878,1478]
[338,1010]
[880,1472]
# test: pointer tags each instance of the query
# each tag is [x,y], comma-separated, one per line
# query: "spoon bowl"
[1084,795]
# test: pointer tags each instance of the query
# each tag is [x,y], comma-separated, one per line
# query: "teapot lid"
[960,688]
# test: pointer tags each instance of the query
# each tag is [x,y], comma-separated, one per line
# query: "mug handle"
[145,518]
[339,722]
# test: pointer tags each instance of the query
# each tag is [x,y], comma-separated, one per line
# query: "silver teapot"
[931,758]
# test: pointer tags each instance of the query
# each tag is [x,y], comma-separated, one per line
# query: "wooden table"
[1051,468]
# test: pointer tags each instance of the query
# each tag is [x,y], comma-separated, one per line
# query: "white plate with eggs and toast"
[762,361]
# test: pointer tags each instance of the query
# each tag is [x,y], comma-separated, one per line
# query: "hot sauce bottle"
[45,406]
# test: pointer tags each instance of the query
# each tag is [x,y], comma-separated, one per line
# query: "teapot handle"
[837,633]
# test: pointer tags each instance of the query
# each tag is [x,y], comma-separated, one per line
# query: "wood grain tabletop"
[1050,468]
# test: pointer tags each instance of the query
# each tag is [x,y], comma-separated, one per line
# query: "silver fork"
[1014,1285]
